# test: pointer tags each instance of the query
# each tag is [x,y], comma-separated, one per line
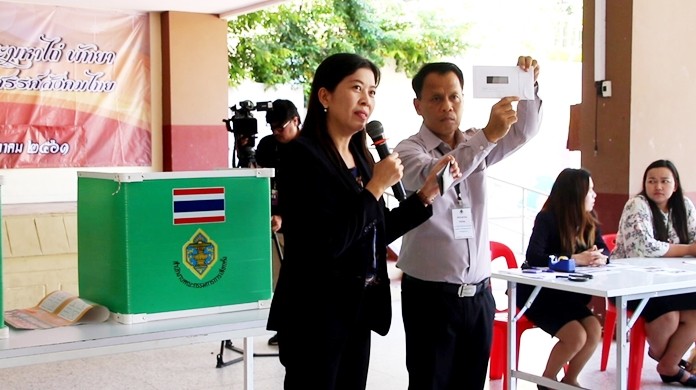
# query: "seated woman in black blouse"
[566,226]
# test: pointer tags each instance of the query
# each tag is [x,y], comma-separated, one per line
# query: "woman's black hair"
[577,226]
[328,75]
[675,204]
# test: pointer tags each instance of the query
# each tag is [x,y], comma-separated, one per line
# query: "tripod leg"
[227,344]
[220,362]
[231,347]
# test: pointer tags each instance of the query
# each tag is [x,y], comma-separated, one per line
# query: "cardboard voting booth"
[4,331]
[172,244]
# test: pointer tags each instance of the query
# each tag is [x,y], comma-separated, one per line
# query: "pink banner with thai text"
[74,87]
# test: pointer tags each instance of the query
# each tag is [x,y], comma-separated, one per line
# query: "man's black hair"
[281,112]
[434,67]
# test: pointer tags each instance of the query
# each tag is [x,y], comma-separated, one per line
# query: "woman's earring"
[326,109]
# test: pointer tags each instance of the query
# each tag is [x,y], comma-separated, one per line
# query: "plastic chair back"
[501,250]
[610,240]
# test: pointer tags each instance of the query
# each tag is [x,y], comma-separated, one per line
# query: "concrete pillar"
[194,91]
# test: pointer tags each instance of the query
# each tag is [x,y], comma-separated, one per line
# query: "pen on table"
[575,276]
[531,271]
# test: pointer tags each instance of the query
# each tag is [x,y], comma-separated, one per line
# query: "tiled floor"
[193,367]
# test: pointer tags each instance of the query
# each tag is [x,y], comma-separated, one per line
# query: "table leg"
[511,341]
[249,363]
[621,344]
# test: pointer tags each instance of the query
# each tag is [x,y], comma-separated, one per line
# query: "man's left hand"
[527,62]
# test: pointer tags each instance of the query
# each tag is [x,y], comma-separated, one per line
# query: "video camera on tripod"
[244,127]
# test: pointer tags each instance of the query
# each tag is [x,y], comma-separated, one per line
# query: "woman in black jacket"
[333,287]
[566,226]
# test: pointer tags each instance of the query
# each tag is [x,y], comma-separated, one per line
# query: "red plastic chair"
[609,313]
[610,240]
[499,344]
[636,342]
[636,339]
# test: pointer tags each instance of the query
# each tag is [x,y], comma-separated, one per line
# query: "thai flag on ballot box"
[198,205]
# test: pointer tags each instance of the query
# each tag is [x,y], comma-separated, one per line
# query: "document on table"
[536,275]
[58,308]
[665,270]
[609,268]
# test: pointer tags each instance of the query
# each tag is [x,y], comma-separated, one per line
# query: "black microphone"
[376,132]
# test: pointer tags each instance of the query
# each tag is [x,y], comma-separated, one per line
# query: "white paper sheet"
[501,81]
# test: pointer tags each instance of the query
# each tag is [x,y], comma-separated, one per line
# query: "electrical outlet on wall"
[605,88]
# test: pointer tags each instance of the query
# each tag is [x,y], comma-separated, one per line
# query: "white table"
[625,285]
[24,347]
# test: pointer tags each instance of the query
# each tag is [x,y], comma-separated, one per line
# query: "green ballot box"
[4,332]
[172,244]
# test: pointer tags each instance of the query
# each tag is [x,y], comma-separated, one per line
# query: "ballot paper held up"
[501,81]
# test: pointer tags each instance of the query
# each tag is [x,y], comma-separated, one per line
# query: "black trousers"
[331,358]
[448,338]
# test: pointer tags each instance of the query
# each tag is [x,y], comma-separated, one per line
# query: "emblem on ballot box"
[200,254]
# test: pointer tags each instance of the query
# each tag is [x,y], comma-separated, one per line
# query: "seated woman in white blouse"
[661,222]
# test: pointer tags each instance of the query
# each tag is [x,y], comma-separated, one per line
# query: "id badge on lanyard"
[462,223]
[462,219]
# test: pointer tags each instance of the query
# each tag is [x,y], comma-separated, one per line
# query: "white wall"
[663,89]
